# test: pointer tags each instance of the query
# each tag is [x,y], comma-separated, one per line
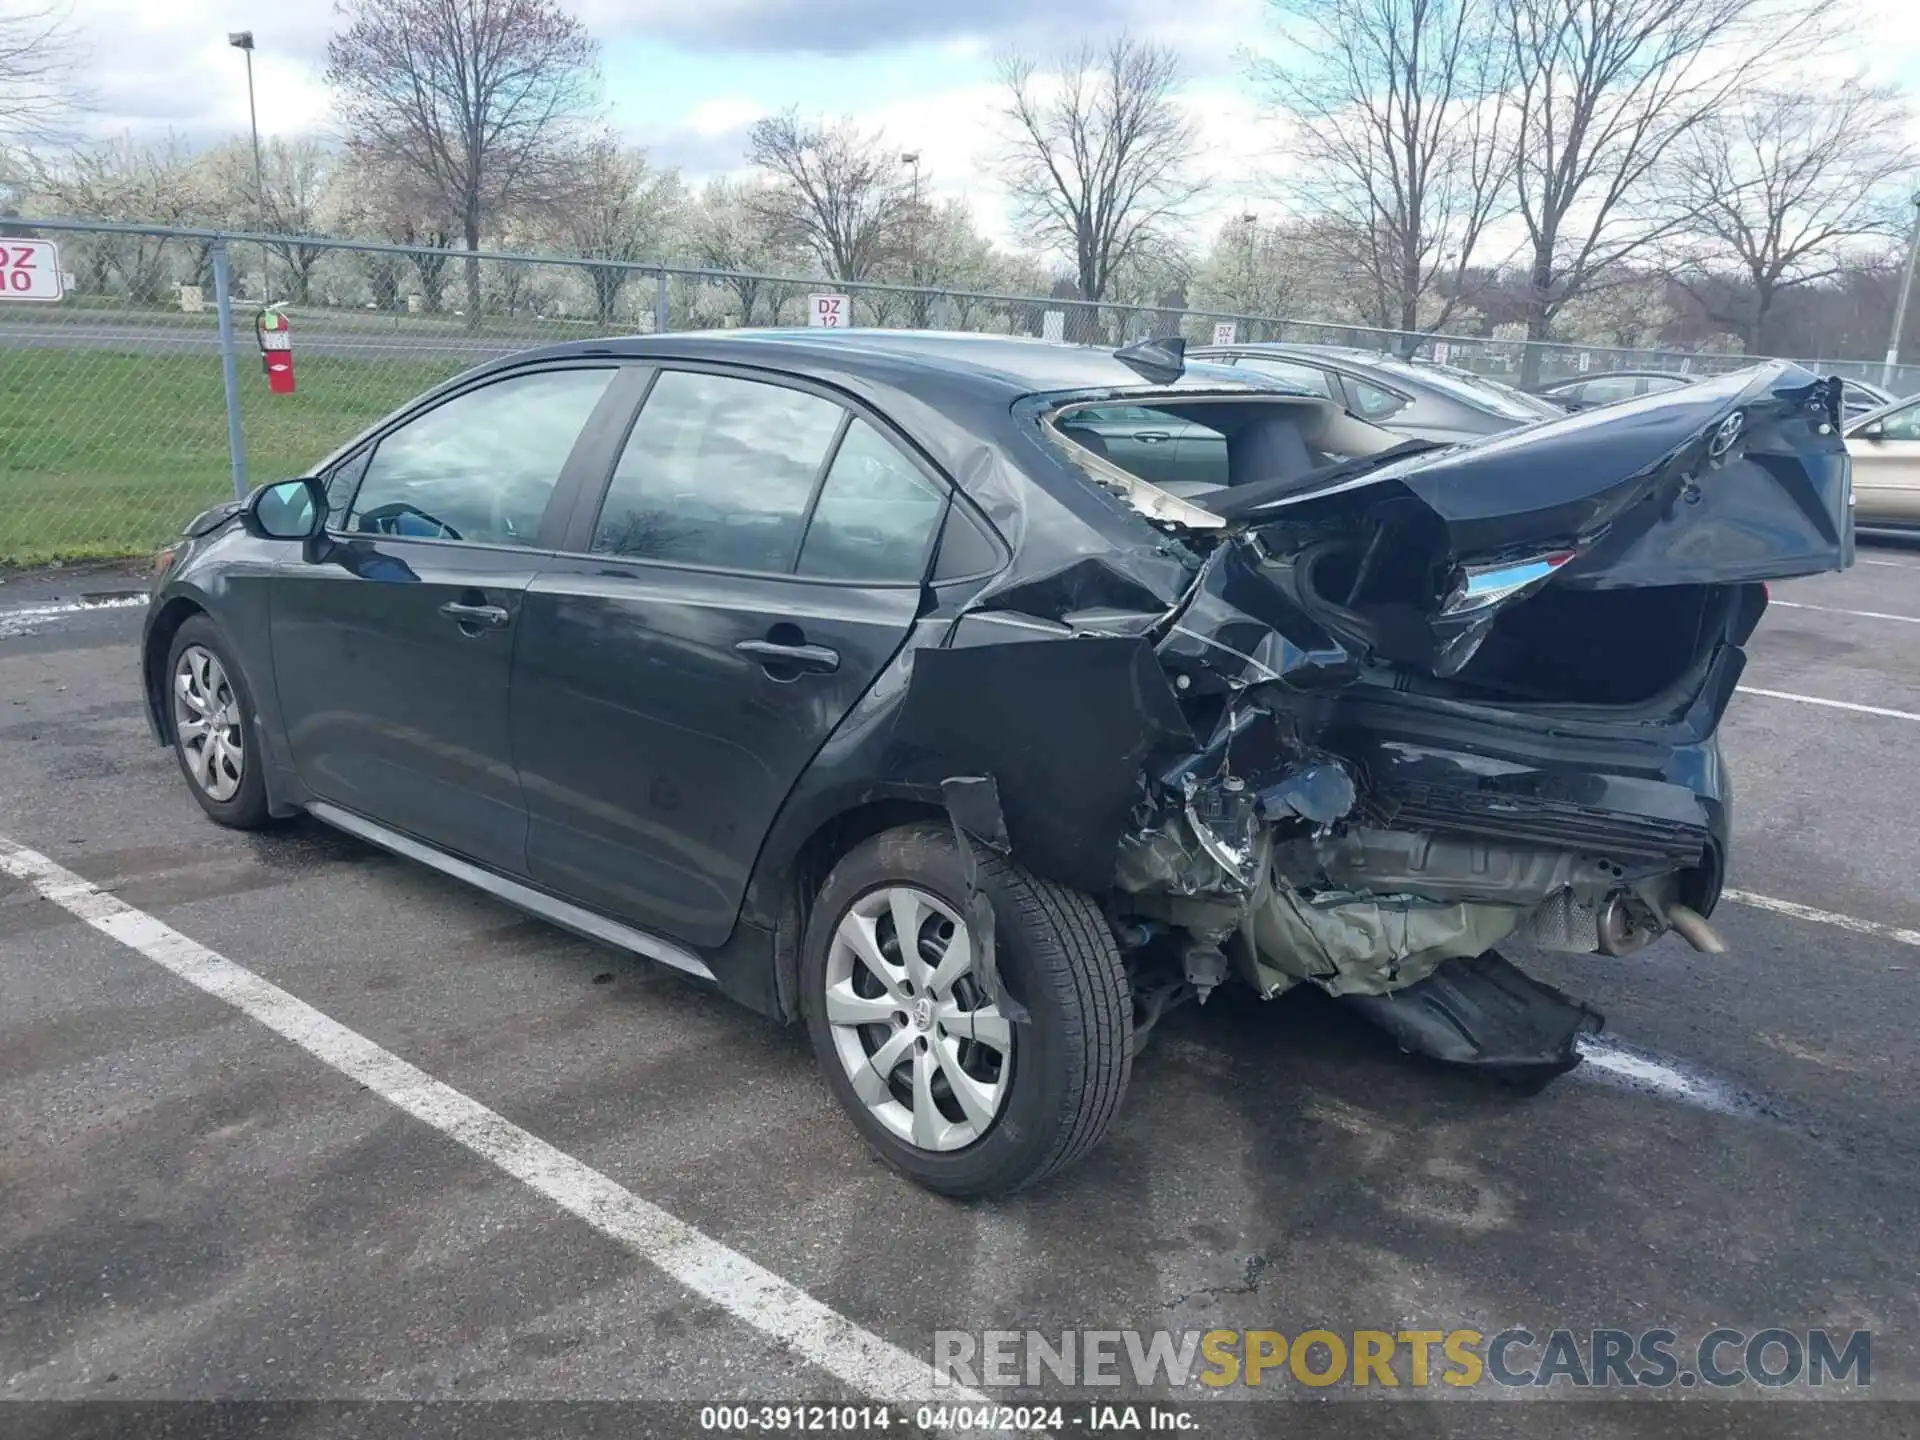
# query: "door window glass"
[717,472]
[1902,424]
[1371,402]
[1610,390]
[1115,415]
[1308,379]
[875,517]
[483,465]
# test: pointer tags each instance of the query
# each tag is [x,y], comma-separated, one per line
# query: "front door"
[1886,468]
[393,646]
[757,561]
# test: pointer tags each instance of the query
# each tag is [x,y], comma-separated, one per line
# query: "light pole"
[912,157]
[1900,310]
[243,40]
[1251,221]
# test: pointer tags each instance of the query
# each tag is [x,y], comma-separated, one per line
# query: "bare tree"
[1099,154]
[296,176]
[162,183]
[384,198]
[1254,270]
[1398,142]
[728,232]
[620,209]
[1601,92]
[838,192]
[1778,189]
[477,99]
[39,73]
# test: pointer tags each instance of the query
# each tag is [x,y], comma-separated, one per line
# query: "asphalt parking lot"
[192,1206]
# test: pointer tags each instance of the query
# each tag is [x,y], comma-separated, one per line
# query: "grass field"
[103,454]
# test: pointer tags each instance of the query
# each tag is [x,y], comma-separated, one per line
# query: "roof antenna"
[1162,361]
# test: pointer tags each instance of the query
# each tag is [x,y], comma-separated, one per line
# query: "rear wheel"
[214,737]
[943,1083]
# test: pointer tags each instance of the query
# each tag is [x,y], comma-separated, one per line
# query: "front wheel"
[941,1080]
[214,736]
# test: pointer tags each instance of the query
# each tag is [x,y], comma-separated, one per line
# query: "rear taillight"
[1478,586]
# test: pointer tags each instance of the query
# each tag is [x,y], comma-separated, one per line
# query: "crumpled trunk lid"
[1731,481]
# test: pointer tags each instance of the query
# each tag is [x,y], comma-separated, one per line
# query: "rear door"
[1886,467]
[392,646]
[757,559]
[1139,440]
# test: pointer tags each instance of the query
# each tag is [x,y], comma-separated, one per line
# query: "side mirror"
[1873,431]
[290,510]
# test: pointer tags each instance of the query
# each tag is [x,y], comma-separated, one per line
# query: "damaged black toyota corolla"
[906,684]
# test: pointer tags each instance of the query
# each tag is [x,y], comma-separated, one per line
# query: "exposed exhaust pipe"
[1691,926]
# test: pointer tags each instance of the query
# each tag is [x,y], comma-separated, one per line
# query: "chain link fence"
[117,423]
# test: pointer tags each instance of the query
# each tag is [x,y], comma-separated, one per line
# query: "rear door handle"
[488,617]
[816,658]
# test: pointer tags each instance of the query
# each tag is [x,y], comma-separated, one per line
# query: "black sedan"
[845,672]
[1430,402]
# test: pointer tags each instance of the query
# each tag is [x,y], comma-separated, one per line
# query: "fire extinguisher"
[274,331]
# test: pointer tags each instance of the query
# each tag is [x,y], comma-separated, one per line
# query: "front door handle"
[475,617]
[1151,437]
[772,654]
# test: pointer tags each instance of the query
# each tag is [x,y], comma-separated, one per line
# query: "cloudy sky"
[686,77]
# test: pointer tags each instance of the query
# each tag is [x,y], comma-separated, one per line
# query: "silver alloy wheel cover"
[206,723]
[931,1035]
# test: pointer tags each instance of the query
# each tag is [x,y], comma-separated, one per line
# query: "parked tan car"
[1885,446]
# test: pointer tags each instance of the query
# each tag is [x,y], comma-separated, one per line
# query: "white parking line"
[1617,1063]
[1830,704]
[1836,610]
[1823,917]
[1890,564]
[873,1366]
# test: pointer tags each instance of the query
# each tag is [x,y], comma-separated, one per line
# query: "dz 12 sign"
[30,270]
[829,310]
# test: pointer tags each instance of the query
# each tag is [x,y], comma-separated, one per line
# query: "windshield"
[1476,390]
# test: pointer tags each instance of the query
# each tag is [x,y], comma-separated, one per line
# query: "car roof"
[1620,375]
[1019,365]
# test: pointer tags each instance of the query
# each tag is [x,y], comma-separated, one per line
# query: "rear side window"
[876,515]
[481,466]
[718,471]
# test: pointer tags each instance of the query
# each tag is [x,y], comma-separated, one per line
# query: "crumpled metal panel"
[1238,629]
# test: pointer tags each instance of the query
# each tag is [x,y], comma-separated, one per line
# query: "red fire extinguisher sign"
[274,331]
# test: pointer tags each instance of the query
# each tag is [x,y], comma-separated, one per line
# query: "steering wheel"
[386,520]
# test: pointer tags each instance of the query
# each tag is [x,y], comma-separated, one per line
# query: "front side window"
[1901,424]
[717,472]
[875,517]
[482,466]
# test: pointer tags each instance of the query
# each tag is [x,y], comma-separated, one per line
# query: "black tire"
[246,808]
[1055,955]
